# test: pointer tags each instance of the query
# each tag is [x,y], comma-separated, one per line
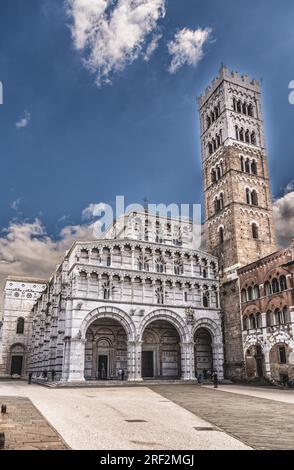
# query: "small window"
[221,235]
[205,300]
[20,326]
[282,355]
[254,231]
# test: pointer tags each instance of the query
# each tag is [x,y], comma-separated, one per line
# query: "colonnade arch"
[161,345]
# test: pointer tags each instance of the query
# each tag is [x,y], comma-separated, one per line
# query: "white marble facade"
[146,305]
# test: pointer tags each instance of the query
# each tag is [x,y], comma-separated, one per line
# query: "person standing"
[215,379]
[30,377]
[53,375]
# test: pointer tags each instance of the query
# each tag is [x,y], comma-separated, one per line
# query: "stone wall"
[233,350]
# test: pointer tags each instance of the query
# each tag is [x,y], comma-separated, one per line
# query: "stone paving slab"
[260,423]
[25,428]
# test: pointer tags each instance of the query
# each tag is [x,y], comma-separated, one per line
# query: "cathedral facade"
[142,300]
[145,303]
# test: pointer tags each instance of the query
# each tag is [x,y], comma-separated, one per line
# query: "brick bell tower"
[238,203]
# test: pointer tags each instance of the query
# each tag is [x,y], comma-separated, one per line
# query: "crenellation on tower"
[232,77]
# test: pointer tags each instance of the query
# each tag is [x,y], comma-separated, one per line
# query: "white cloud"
[26,248]
[289,187]
[112,34]
[187,47]
[15,204]
[23,121]
[94,209]
[284,217]
[152,46]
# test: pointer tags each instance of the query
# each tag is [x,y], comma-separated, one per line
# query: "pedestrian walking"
[53,375]
[30,377]
[215,379]
[200,379]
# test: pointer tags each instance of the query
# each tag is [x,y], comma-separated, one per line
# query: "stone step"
[112,383]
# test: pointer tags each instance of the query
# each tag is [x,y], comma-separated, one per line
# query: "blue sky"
[137,136]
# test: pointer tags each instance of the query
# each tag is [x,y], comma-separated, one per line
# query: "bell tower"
[238,202]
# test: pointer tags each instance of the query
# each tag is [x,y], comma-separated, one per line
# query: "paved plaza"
[161,416]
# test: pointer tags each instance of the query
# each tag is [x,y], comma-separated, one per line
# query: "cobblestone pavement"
[260,423]
[25,428]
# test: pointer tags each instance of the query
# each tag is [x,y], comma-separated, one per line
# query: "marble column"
[76,363]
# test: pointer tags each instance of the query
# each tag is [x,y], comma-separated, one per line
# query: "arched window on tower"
[253,167]
[239,106]
[254,228]
[250,110]
[234,104]
[253,138]
[244,108]
[221,201]
[219,171]
[241,134]
[254,198]
[213,175]
[247,137]
[237,132]
[248,198]
[20,326]
[242,163]
[247,165]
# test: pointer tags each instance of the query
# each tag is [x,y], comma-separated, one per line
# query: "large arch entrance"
[161,354]
[106,350]
[203,352]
